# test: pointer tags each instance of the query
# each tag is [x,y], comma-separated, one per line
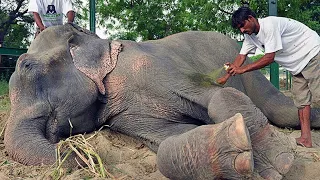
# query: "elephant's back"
[199,51]
[170,64]
[195,51]
[176,58]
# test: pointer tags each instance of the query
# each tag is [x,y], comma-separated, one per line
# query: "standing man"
[48,13]
[291,44]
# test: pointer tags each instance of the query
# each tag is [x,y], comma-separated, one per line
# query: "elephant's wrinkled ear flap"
[95,58]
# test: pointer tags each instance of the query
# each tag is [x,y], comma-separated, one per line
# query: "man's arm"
[267,59]
[70,16]
[238,61]
[38,21]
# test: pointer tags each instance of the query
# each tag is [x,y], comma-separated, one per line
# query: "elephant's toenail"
[243,163]
[284,162]
[239,134]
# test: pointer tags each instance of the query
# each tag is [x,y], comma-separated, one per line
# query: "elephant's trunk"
[25,141]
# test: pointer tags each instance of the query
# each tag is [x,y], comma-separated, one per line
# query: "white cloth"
[50,11]
[293,42]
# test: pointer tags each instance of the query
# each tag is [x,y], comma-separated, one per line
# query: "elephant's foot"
[239,136]
[220,151]
[273,152]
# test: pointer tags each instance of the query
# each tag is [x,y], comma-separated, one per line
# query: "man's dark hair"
[240,15]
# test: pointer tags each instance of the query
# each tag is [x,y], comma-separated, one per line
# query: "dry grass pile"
[84,151]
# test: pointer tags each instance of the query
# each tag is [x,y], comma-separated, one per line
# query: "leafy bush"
[256,57]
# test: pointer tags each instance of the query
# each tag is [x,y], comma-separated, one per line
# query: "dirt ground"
[125,158]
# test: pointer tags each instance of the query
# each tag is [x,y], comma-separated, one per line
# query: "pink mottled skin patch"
[17,109]
[140,62]
[14,92]
[95,75]
[115,86]
[23,112]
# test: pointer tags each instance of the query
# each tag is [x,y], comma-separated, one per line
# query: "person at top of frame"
[291,44]
[48,13]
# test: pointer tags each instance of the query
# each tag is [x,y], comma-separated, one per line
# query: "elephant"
[152,91]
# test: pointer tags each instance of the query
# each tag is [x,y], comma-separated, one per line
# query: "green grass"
[4,95]
[4,87]
[4,103]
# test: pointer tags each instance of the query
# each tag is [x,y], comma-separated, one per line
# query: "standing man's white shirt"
[294,43]
[50,11]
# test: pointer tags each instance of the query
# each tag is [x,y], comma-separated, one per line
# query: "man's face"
[248,26]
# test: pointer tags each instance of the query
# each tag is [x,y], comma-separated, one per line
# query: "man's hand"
[237,68]
[38,21]
[233,70]
[223,79]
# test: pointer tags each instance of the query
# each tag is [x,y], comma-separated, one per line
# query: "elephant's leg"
[220,151]
[272,150]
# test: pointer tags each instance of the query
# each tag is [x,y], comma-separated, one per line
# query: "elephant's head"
[56,85]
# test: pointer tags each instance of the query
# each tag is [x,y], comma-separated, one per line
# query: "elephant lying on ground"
[147,90]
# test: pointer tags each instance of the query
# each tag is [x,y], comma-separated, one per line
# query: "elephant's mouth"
[51,130]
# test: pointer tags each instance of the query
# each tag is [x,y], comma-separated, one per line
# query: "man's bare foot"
[305,142]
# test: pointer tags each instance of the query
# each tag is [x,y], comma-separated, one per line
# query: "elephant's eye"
[27,64]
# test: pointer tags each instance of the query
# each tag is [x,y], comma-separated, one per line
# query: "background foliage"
[149,19]
[143,19]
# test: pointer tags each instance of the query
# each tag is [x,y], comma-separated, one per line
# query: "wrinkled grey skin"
[146,91]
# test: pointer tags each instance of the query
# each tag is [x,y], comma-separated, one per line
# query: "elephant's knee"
[226,102]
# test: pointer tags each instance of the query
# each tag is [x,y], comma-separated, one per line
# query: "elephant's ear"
[94,57]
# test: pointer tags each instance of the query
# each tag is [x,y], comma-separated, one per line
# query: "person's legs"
[304,117]
[306,88]
[302,99]
[312,74]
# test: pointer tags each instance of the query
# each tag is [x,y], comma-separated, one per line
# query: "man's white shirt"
[50,11]
[293,42]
